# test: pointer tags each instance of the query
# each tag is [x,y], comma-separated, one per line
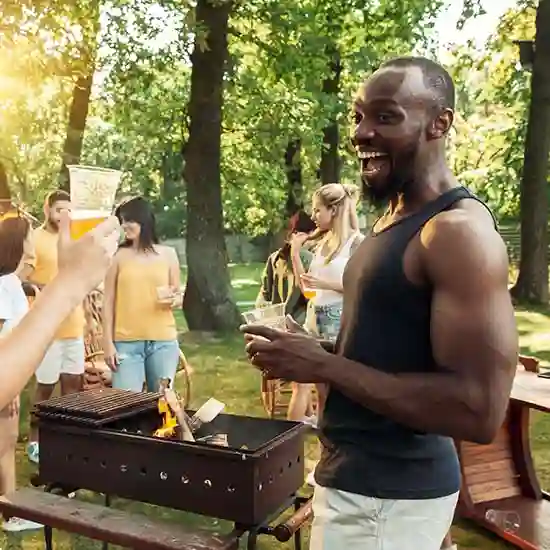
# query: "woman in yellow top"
[141,288]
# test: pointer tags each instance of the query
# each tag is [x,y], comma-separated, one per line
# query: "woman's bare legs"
[9,430]
[300,402]
[322,393]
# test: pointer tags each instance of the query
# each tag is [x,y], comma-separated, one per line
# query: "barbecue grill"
[101,440]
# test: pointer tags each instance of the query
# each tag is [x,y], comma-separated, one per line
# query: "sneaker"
[15,525]
[32,451]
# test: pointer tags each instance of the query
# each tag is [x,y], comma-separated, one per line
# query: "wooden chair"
[276,395]
[530,364]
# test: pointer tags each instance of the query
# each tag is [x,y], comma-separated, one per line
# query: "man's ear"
[441,124]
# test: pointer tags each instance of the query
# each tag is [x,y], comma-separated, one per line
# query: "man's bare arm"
[474,340]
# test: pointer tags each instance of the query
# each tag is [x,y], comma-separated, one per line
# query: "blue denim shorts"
[328,321]
[145,361]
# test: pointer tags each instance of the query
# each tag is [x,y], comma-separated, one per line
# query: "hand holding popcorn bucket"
[93,191]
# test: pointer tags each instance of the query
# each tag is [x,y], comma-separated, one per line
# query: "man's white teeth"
[370,154]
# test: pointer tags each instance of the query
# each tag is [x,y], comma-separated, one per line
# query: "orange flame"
[169,421]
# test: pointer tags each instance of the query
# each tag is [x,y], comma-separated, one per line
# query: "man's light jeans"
[354,522]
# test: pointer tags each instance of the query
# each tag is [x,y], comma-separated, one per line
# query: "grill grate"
[96,405]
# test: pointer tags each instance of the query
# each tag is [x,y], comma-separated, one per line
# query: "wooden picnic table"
[501,476]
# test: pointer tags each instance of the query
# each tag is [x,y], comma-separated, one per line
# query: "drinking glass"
[93,191]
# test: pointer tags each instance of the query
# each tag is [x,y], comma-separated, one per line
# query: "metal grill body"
[101,441]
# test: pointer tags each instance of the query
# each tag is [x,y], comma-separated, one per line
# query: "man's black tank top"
[386,326]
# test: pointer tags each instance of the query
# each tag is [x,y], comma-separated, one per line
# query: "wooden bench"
[109,525]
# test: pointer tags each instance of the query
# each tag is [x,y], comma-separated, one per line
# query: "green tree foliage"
[493,94]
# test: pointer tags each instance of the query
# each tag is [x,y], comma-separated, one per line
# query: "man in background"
[64,360]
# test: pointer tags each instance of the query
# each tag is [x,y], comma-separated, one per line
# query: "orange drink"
[309,293]
[83,221]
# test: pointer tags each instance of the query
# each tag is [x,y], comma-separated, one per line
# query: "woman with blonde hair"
[335,214]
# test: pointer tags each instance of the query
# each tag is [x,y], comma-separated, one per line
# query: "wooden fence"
[511,235]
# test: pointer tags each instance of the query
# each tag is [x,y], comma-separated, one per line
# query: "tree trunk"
[88,20]
[75,129]
[208,304]
[293,169]
[532,283]
[5,193]
[330,158]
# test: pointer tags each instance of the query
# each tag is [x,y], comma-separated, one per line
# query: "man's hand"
[289,356]
[85,262]
[292,326]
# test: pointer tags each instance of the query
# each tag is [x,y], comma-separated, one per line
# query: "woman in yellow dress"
[141,288]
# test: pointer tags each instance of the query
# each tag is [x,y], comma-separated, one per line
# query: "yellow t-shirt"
[44,262]
[138,315]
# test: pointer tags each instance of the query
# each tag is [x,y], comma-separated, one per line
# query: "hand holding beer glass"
[93,192]
[309,289]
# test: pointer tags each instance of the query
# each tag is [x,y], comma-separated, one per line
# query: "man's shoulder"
[38,232]
[41,237]
[42,233]
[464,239]
[469,220]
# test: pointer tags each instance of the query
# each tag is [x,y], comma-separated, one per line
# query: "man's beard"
[399,178]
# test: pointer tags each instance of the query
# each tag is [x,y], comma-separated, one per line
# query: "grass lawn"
[220,370]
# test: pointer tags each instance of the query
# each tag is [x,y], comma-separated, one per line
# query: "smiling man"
[428,346]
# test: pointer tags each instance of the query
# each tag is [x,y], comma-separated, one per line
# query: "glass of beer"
[93,191]
[309,293]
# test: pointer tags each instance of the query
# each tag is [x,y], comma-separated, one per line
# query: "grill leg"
[48,537]
[105,545]
[298,534]
[252,540]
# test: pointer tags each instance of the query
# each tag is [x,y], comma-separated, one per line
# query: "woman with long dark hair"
[14,232]
[279,283]
[141,288]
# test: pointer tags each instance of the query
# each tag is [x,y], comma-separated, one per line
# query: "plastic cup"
[93,192]
[309,293]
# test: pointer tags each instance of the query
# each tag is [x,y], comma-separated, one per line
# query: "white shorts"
[63,357]
[355,522]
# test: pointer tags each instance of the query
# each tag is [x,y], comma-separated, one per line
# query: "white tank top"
[333,271]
